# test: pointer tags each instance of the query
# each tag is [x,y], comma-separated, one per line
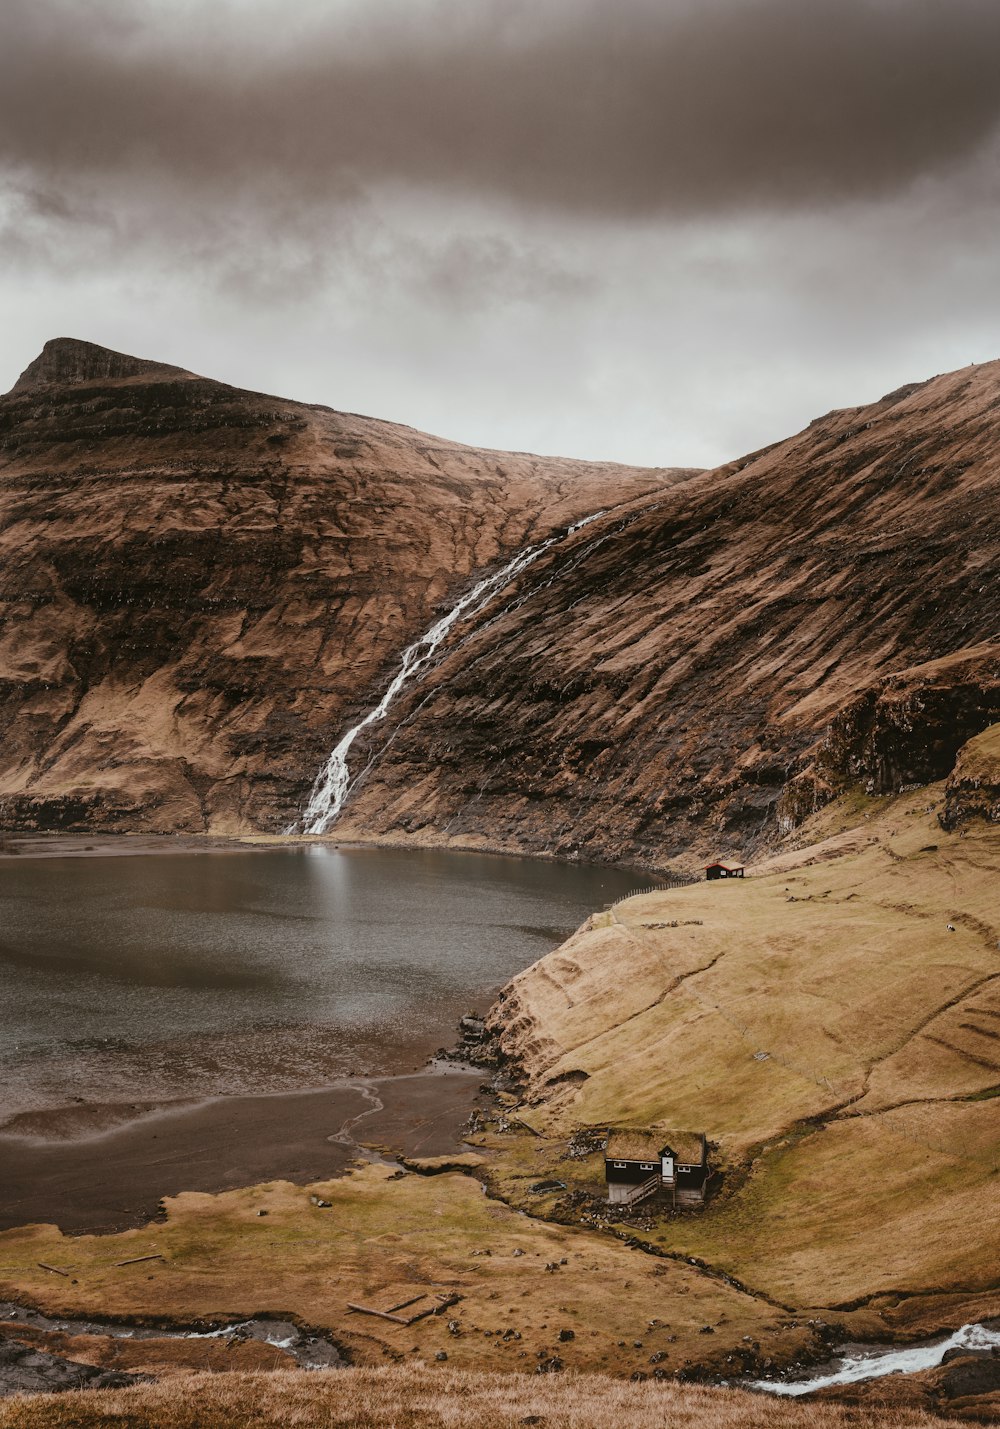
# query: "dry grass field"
[422,1398]
[381,1241]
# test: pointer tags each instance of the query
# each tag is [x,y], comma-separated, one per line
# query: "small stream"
[309,1349]
[860,1362]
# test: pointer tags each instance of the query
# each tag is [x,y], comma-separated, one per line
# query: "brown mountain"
[200,585]
[706,669]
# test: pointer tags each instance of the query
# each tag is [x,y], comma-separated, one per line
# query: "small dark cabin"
[639,1164]
[724,870]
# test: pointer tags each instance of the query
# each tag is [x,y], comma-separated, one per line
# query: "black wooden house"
[641,1164]
[723,870]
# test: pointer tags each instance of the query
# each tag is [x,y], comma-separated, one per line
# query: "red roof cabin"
[724,870]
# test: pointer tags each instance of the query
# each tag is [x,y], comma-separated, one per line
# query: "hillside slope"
[200,585]
[411,1397]
[833,1024]
[710,667]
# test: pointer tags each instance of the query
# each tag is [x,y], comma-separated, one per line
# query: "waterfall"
[334,780]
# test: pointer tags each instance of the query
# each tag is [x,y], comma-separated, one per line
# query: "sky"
[663,232]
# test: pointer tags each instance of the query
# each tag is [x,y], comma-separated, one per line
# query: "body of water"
[137,980]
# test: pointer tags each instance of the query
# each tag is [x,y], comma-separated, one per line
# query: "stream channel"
[860,1362]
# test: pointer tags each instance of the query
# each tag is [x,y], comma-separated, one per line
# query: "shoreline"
[54,845]
[105,1162]
[115,1179]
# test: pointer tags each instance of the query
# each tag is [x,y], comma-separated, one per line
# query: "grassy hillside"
[832,1023]
[427,1399]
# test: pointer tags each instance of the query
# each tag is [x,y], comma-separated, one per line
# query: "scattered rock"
[971,1375]
[585,1143]
[552,1364]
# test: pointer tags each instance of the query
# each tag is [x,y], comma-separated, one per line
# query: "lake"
[128,982]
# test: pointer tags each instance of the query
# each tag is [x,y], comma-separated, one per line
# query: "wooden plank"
[446,1302]
[54,1269]
[404,1303]
[382,1314]
[137,1260]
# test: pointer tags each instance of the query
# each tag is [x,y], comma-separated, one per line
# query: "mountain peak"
[65,360]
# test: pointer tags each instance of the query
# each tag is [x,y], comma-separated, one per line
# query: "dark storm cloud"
[632,109]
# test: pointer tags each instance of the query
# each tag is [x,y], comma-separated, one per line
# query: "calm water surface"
[142,979]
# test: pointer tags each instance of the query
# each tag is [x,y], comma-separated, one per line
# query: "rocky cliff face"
[202,588]
[706,668]
[973,790]
[200,585]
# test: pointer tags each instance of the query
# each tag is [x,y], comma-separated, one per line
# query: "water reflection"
[147,977]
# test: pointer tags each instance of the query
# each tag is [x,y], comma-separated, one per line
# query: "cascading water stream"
[876,1360]
[334,780]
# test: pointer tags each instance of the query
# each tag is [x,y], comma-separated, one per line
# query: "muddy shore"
[116,1179]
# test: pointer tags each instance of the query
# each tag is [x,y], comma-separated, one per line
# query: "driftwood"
[444,1303]
[137,1259]
[54,1269]
[393,1309]
[382,1314]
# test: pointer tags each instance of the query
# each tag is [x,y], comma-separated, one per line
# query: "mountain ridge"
[199,584]
[71,360]
[820,612]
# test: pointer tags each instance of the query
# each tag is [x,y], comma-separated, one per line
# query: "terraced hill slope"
[833,1024]
[199,585]
[708,668]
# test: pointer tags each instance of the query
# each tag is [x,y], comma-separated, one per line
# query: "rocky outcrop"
[24,1369]
[66,360]
[199,585]
[703,669]
[973,790]
[906,730]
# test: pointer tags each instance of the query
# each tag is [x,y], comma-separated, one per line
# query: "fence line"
[679,880]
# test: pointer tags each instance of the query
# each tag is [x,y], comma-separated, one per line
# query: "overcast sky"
[662,231]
